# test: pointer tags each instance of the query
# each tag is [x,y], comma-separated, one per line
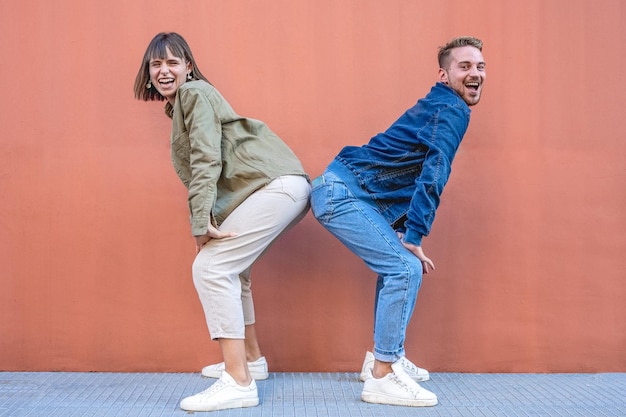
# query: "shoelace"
[218,385]
[405,384]
[406,364]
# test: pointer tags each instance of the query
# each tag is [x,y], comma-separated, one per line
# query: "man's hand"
[212,233]
[427,264]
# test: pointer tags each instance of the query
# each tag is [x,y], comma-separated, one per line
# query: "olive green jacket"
[221,157]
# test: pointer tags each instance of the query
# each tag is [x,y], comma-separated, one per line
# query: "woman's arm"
[205,159]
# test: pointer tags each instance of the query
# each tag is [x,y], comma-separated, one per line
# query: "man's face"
[465,73]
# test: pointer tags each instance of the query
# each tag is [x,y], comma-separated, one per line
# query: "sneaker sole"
[255,375]
[242,403]
[375,398]
[363,377]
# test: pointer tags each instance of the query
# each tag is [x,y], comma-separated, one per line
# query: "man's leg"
[366,233]
[358,225]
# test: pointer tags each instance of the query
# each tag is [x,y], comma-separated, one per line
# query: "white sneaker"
[224,393]
[396,388]
[417,374]
[258,369]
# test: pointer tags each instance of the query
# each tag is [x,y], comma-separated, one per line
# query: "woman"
[245,186]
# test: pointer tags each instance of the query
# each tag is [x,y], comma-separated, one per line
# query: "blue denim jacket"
[405,169]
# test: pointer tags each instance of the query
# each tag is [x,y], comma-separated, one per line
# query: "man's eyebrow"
[469,62]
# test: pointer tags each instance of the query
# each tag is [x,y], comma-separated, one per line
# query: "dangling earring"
[149,85]
[189,77]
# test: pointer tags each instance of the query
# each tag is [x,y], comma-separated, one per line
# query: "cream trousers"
[221,270]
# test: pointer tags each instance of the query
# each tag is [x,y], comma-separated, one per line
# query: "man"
[380,201]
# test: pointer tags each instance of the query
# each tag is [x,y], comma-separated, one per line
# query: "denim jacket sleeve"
[204,129]
[443,136]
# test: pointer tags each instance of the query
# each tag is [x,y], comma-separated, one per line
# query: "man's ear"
[443,76]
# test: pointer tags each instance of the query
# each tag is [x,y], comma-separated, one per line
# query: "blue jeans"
[348,213]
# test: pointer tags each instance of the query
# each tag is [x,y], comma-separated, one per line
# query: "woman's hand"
[427,264]
[212,233]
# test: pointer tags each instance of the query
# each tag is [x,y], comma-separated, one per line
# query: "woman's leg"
[219,270]
[252,348]
[253,351]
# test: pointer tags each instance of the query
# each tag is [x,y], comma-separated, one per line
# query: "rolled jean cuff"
[388,356]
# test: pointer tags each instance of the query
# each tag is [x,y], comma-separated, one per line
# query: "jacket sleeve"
[442,136]
[205,133]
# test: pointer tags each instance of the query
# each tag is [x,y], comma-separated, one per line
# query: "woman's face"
[168,74]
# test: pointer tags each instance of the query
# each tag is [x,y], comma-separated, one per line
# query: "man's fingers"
[427,265]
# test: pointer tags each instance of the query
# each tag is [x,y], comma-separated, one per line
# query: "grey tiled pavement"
[67,394]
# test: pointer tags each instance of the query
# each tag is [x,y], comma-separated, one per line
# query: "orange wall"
[95,249]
